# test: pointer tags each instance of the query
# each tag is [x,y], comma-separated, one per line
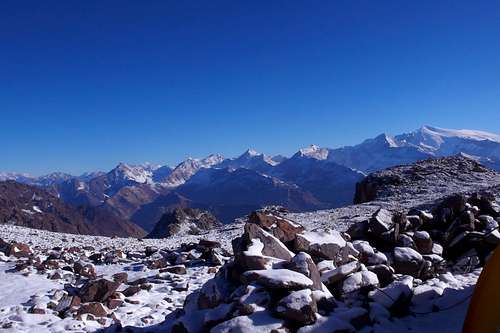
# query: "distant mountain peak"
[250,152]
[314,151]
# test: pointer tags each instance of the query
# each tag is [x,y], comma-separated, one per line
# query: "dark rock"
[281,228]
[97,290]
[381,221]
[131,291]
[95,308]
[121,277]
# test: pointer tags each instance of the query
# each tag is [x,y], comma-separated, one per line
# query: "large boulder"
[278,279]
[303,263]
[340,273]
[396,293]
[408,261]
[97,290]
[272,246]
[282,228]
[381,221]
[298,306]
[359,280]
[324,244]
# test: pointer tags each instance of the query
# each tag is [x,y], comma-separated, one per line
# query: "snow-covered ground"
[20,291]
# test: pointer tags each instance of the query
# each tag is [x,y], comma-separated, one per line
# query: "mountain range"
[313,178]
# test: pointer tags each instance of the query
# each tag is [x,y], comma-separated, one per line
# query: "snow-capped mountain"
[250,159]
[188,168]
[479,145]
[125,173]
[53,178]
[313,151]
[24,178]
[385,151]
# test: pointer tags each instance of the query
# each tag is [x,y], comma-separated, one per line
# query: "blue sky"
[86,84]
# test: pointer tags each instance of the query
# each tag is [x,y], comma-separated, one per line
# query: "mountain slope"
[30,206]
[233,193]
[33,207]
[328,181]
[188,168]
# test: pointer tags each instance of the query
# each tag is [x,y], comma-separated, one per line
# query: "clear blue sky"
[86,84]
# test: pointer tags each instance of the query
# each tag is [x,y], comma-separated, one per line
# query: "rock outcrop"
[184,221]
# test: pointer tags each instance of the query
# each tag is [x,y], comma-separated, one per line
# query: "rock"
[414,222]
[325,265]
[380,222]
[97,290]
[487,223]
[121,277]
[437,249]
[178,269]
[457,203]
[131,291]
[257,249]
[18,250]
[359,280]
[181,221]
[208,244]
[181,286]
[358,230]
[407,261]
[423,242]
[486,203]
[298,306]
[272,246]
[283,229]
[396,293]
[114,303]
[213,292]
[384,274]
[406,241]
[85,270]
[150,250]
[96,258]
[95,308]
[347,254]
[67,303]
[278,279]
[251,298]
[325,244]
[303,263]
[340,273]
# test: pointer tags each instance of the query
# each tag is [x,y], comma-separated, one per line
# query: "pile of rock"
[286,279]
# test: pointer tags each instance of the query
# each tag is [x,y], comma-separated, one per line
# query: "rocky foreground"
[284,278]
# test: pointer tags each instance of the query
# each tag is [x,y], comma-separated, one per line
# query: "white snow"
[37,209]
[323,237]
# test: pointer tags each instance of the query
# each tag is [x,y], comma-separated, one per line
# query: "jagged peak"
[314,151]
